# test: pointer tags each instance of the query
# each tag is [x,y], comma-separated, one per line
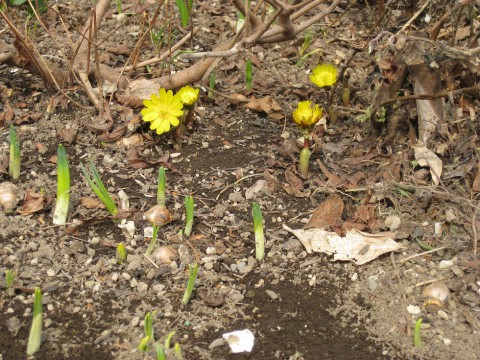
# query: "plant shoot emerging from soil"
[192,277]
[248,75]
[184,9]
[177,351]
[148,328]
[9,278]
[417,339]
[189,209]
[99,189]
[35,336]
[63,187]
[162,179]
[14,163]
[158,216]
[121,253]
[258,231]
[162,110]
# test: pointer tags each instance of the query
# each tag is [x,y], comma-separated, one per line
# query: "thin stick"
[416,15]
[150,261]
[474,229]
[404,260]
[429,282]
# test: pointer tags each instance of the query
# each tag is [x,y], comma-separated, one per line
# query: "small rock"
[142,287]
[134,265]
[272,294]
[216,343]
[126,276]
[135,321]
[392,222]
[413,309]
[372,282]
[13,325]
[354,277]
[115,276]
[51,272]
[241,265]
[442,314]
[445,264]
[246,269]
[447,341]
[133,283]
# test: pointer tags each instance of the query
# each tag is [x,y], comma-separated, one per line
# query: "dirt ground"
[298,305]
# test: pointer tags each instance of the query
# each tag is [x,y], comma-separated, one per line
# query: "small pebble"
[51,272]
[445,264]
[413,309]
[372,282]
[135,321]
[354,277]
[126,276]
[272,294]
[142,287]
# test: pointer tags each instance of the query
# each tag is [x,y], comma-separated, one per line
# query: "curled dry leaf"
[426,157]
[32,203]
[355,246]
[327,213]
[268,105]
[91,203]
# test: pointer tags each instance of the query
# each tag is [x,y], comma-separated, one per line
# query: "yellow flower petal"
[307,114]
[188,95]
[162,110]
[324,75]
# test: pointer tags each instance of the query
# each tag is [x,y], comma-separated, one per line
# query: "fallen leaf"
[334,179]
[293,180]
[32,203]
[91,203]
[426,157]
[355,246]
[267,105]
[327,213]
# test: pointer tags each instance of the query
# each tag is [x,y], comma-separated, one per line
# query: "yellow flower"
[324,75]
[188,95]
[307,114]
[162,110]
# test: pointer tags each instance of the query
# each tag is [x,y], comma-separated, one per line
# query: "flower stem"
[304,162]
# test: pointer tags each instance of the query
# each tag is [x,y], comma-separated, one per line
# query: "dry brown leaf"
[268,105]
[334,179]
[426,157]
[327,213]
[295,191]
[91,203]
[137,162]
[32,203]
[293,180]
[476,182]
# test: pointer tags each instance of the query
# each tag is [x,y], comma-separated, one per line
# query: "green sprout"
[307,41]
[192,277]
[153,242]
[417,339]
[184,9]
[177,351]
[258,231]
[35,337]
[9,277]
[161,355]
[168,340]
[148,328]
[121,253]
[63,187]
[249,74]
[211,85]
[119,7]
[162,179]
[99,189]
[189,210]
[14,163]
